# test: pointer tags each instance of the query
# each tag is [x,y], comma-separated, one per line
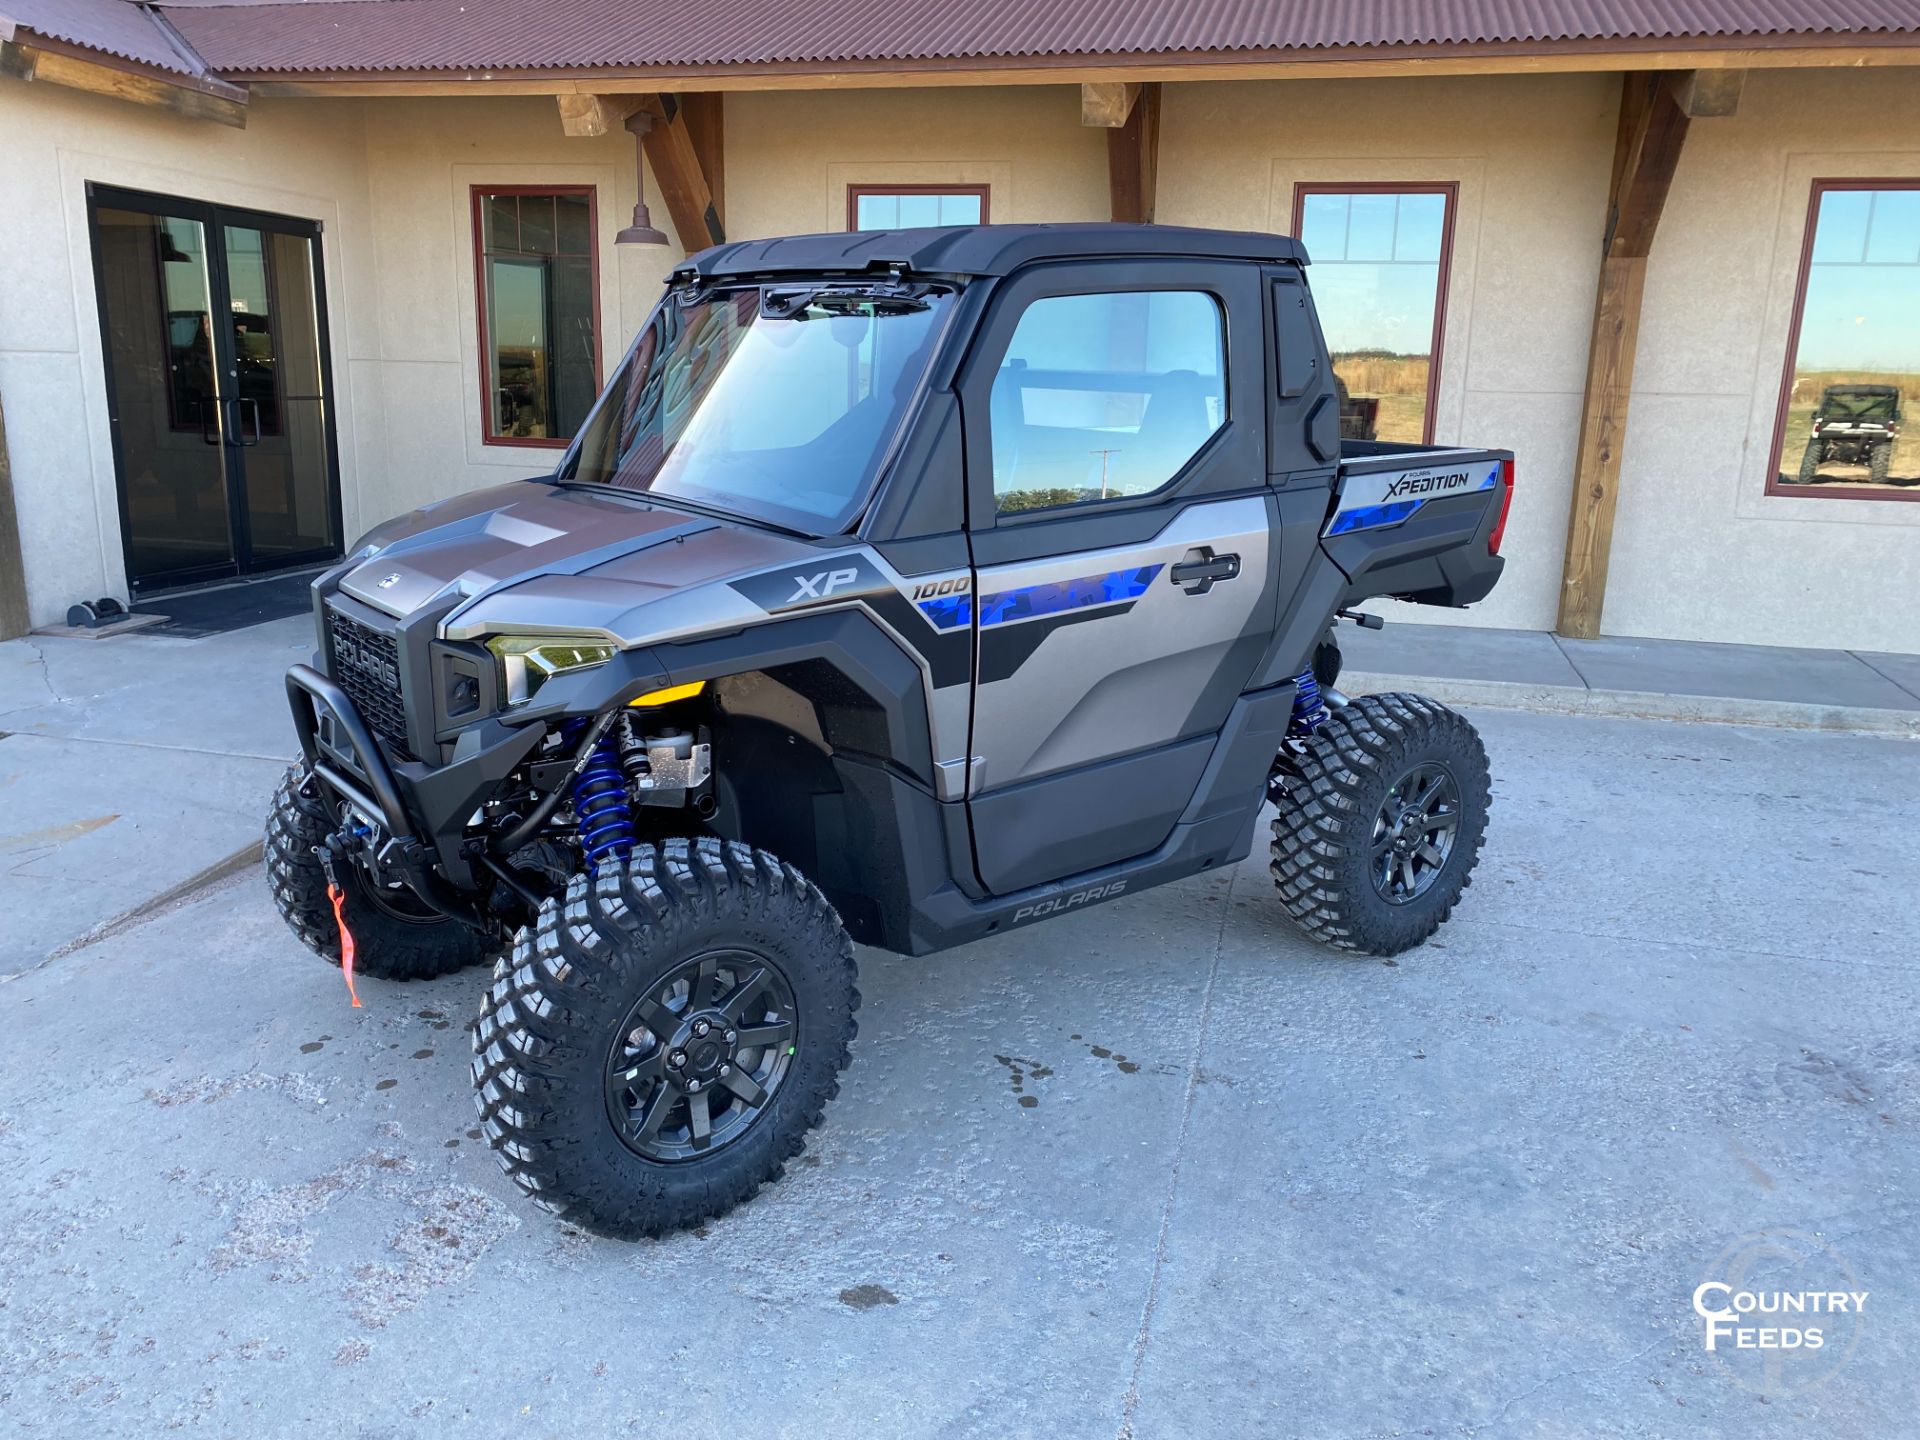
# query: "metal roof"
[421,35]
[979,249]
[112,27]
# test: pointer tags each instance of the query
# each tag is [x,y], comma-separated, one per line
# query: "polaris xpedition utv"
[903,587]
[1855,425]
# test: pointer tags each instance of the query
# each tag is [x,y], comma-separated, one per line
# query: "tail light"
[1506,504]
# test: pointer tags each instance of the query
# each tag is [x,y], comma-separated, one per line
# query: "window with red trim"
[1853,349]
[539,303]
[1379,272]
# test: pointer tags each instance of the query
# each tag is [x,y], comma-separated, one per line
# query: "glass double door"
[219,395]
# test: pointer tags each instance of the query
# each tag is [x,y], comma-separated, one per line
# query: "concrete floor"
[128,766]
[1261,1188]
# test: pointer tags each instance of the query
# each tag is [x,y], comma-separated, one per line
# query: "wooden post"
[1653,127]
[13,571]
[1133,154]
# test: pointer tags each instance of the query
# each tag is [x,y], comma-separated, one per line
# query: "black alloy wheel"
[701,1055]
[1413,833]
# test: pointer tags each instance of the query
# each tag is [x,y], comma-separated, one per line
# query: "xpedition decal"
[1371,501]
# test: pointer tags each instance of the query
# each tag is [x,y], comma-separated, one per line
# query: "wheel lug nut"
[730,1037]
[726,1070]
[701,1027]
[677,1059]
[693,1087]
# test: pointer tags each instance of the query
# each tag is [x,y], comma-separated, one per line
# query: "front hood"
[483,542]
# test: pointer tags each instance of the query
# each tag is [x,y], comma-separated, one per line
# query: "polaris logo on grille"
[1069,902]
[1427,484]
[369,663]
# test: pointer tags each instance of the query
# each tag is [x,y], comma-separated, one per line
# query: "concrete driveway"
[1154,1169]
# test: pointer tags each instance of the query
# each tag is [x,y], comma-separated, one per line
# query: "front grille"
[366,664]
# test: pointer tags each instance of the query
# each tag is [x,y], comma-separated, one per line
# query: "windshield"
[777,406]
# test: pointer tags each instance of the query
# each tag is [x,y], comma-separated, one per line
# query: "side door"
[1124,586]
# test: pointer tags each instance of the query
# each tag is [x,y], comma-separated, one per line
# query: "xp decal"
[836,578]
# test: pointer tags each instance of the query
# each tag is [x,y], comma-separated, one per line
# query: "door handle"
[1201,569]
[240,435]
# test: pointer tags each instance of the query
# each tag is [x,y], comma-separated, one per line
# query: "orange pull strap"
[339,899]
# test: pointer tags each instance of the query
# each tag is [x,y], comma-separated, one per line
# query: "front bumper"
[350,758]
[423,808]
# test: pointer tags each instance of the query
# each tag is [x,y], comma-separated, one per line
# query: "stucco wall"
[295,158]
[1531,157]
[1700,550]
[389,183]
[416,379]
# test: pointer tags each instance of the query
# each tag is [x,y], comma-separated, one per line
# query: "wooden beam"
[48,66]
[1133,160]
[13,572]
[1107,105]
[705,114]
[692,202]
[1703,94]
[587,116]
[1647,147]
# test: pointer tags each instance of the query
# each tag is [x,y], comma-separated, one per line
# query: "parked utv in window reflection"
[1855,425]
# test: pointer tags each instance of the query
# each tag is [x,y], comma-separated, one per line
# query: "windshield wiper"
[793,302]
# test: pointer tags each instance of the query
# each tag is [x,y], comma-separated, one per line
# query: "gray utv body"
[954,719]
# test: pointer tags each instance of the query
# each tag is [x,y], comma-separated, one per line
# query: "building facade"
[412,288]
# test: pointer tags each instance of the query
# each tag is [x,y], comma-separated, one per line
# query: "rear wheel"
[396,935]
[1879,462]
[1378,833]
[1810,463]
[661,1040]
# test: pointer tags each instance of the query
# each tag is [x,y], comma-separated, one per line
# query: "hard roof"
[980,249]
[360,36]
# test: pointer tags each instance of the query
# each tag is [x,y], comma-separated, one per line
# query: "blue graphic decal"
[1031,600]
[1372,517]
[948,612]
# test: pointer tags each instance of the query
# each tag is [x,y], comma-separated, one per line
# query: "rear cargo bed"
[1418,522]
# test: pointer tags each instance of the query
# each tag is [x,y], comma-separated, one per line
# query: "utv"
[1855,425]
[903,588]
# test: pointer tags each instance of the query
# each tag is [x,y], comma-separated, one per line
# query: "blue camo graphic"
[1025,602]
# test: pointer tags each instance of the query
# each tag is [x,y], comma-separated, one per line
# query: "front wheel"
[396,935]
[1378,833]
[661,1040]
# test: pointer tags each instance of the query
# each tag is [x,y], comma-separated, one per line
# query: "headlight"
[528,661]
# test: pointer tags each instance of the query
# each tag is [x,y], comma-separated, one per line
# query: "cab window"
[1106,396]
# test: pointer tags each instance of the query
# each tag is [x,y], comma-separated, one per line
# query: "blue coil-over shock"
[601,809]
[1309,710]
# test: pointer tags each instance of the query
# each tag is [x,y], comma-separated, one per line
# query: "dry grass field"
[1398,382]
